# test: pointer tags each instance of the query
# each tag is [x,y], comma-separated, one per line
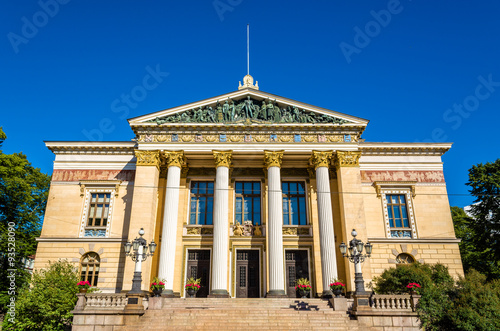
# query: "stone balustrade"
[105,301]
[391,301]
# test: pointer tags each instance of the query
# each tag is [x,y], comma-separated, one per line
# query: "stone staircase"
[242,314]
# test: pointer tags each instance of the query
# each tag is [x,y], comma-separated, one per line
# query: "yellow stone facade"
[134,174]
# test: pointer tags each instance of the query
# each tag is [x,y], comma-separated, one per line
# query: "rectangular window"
[202,203]
[294,203]
[398,215]
[248,202]
[99,210]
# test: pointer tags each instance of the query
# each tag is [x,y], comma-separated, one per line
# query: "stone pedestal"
[339,304]
[134,303]
[361,302]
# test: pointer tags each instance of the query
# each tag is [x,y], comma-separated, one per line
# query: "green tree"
[484,225]
[470,304]
[23,195]
[2,136]
[47,303]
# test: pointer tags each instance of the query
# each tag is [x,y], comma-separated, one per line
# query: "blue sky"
[418,70]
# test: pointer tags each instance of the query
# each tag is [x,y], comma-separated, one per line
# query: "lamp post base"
[136,283]
[359,283]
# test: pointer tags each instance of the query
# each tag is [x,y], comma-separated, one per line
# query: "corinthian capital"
[321,159]
[147,158]
[174,158]
[223,158]
[273,158]
[347,159]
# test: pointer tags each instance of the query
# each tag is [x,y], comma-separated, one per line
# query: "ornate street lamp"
[138,255]
[355,256]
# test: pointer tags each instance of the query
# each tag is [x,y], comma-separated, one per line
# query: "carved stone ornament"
[347,159]
[193,231]
[147,158]
[290,231]
[175,159]
[223,159]
[320,159]
[273,158]
[247,111]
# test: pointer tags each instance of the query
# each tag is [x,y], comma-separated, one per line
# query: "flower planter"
[157,292]
[337,292]
[83,290]
[303,293]
[191,292]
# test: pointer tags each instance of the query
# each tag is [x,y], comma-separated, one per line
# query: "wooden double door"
[297,266]
[247,274]
[198,266]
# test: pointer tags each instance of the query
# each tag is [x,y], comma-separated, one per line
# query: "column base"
[167,294]
[219,294]
[327,294]
[276,294]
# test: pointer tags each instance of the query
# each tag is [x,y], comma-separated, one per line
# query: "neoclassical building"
[248,191]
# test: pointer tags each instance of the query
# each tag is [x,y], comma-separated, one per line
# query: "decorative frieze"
[223,158]
[296,231]
[425,176]
[273,159]
[255,137]
[147,158]
[346,159]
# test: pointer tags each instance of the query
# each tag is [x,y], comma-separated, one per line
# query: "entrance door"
[198,266]
[296,267]
[247,274]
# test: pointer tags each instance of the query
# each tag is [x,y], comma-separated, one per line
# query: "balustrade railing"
[391,302]
[105,300]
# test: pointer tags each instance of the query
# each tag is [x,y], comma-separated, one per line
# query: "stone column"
[174,161]
[352,208]
[143,212]
[272,161]
[320,161]
[221,225]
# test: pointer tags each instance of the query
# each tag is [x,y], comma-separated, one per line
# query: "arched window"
[89,268]
[404,258]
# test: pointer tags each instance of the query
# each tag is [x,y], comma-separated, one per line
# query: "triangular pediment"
[247,106]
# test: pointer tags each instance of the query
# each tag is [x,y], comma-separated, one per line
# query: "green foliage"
[484,228]
[395,280]
[3,136]
[476,303]
[471,304]
[48,302]
[23,195]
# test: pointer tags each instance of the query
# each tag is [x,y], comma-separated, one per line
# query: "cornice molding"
[80,240]
[414,241]
[369,148]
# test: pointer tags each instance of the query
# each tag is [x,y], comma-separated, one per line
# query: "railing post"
[414,301]
[81,302]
